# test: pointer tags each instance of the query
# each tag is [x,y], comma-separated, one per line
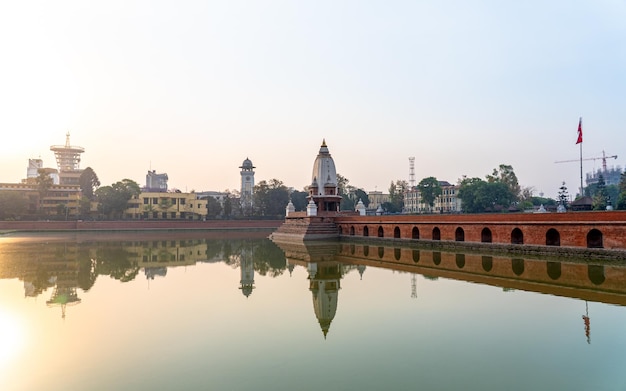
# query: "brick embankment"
[306,228]
[137,225]
[596,229]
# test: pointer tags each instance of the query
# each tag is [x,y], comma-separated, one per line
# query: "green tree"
[601,193]
[600,197]
[429,189]
[298,199]
[113,200]
[228,205]
[115,261]
[84,206]
[270,199]
[396,196]
[346,191]
[526,197]
[62,210]
[563,197]
[44,183]
[545,201]
[350,195]
[621,199]
[469,189]
[479,196]
[342,184]
[362,195]
[214,208]
[12,205]
[89,182]
[165,203]
[612,194]
[505,174]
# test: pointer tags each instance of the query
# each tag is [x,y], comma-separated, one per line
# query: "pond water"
[235,311]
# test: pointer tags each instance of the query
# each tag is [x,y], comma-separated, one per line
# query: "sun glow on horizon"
[11,337]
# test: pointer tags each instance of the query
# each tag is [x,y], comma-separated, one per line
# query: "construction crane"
[603,157]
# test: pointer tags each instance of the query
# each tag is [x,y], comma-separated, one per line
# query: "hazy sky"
[192,88]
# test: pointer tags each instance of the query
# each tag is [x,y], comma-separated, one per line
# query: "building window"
[182,201]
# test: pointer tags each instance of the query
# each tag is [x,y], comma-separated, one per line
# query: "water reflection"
[67,265]
[586,279]
[213,300]
[328,262]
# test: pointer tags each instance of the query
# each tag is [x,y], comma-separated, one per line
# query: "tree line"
[499,191]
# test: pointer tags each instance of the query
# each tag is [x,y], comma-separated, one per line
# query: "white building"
[446,202]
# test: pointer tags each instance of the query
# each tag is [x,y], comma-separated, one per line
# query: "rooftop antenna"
[412,171]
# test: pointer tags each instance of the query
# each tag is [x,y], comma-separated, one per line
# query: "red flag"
[580,131]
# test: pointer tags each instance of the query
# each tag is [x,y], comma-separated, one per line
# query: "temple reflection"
[324,275]
[324,286]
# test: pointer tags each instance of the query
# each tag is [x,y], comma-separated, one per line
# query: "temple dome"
[324,172]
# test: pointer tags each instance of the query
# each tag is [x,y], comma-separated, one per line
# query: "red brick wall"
[137,225]
[572,227]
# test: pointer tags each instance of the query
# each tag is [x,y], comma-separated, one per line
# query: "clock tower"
[247,184]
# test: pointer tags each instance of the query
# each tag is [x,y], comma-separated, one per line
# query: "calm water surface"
[218,311]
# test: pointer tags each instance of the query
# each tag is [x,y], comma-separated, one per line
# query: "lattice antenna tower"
[67,156]
[412,171]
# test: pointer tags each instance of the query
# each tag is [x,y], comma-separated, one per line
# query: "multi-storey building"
[156,183]
[611,176]
[446,202]
[377,198]
[47,203]
[63,195]
[166,206]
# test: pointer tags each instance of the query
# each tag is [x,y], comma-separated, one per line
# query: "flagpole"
[580,141]
[580,126]
[581,169]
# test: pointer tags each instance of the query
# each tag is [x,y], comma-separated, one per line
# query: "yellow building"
[166,206]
